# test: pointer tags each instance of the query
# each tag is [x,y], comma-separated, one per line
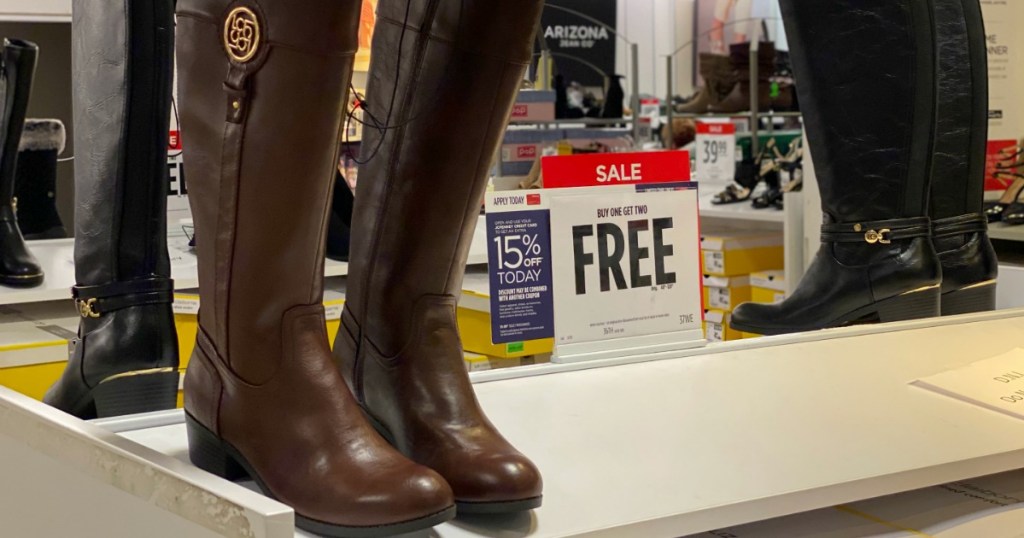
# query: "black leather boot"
[872,158]
[960,227]
[18,268]
[35,184]
[125,359]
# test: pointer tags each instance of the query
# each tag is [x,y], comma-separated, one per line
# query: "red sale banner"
[1000,153]
[174,141]
[595,169]
[721,128]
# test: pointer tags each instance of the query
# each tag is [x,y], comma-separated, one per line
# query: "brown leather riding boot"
[739,99]
[263,90]
[719,76]
[446,99]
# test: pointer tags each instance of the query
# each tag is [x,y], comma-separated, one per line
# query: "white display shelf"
[703,439]
[741,211]
[57,259]
[1007,233]
[35,10]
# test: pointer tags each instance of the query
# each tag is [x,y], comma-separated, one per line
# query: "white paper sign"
[625,264]
[716,151]
[996,383]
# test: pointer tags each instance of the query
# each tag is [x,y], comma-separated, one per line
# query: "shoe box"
[736,253]
[34,344]
[521,147]
[475,328]
[726,292]
[768,287]
[721,295]
[717,326]
[534,105]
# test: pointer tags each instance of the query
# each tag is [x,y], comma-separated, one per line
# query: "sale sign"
[519,251]
[625,254]
[607,262]
[631,265]
[605,169]
[716,151]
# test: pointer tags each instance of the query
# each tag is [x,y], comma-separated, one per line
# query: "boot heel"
[913,305]
[981,298]
[136,393]
[208,452]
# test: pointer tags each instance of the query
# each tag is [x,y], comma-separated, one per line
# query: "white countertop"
[742,432]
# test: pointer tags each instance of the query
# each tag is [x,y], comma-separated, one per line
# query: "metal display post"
[669,72]
[634,50]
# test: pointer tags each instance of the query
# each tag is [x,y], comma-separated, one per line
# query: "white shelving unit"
[789,221]
[35,10]
[679,444]
[741,211]
[57,258]
[1004,232]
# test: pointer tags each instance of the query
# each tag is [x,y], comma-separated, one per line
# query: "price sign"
[625,252]
[716,151]
[178,208]
[518,237]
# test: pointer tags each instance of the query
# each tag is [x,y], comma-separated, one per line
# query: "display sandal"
[748,175]
[1014,214]
[732,194]
[769,173]
[774,192]
[1007,169]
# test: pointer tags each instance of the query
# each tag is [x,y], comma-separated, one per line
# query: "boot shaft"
[426,180]
[958,164]
[263,89]
[18,70]
[872,156]
[122,58]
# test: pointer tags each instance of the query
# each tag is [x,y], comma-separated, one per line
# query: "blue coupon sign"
[519,256]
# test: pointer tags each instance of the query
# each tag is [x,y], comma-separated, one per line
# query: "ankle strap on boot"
[95,301]
[960,225]
[880,232]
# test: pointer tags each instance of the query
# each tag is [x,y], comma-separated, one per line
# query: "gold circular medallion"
[241,34]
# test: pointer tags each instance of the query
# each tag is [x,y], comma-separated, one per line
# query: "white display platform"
[57,259]
[736,433]
[35,10]
[739,211]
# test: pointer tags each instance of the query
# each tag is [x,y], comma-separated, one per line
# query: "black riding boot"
[18,268]
[126,357]
[872,158]
[36,180]
[959,226]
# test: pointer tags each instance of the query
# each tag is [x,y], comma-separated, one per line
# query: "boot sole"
[980,297]
[22,281]
[136,392]
[466,507]
[916,304]
[499,507]
[214,455]
[130,393]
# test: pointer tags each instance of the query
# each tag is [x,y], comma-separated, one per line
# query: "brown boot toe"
[504,482]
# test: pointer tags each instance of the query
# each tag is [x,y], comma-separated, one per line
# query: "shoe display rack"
[745,431]
[57,260]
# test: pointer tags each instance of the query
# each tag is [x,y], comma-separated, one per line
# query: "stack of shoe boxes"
[729,259]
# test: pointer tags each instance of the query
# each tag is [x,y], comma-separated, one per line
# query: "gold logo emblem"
[880,236]
[242,34]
